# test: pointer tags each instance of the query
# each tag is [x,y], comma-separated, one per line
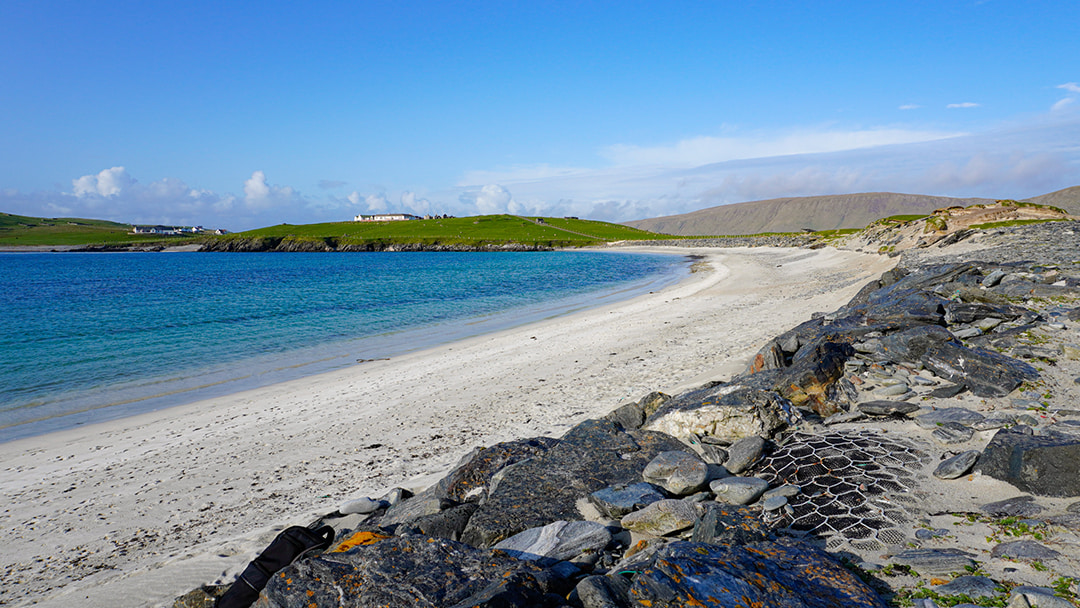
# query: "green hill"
[464,232]
[23,230]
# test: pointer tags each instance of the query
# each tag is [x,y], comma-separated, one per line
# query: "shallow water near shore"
[92,337]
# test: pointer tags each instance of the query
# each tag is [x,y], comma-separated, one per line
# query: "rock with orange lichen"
[781,574]
[411,571]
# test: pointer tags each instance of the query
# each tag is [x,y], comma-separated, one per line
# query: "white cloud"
[1071,87]
[706,149]
[1062,104]
[259,195]
[966,104]
[493,198]
[371,202]
[910,106]
[418,205]
[109,182]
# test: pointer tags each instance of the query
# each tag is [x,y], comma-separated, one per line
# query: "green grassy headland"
[22,230]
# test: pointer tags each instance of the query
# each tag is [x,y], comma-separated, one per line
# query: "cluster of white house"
[396,217]
[175,230]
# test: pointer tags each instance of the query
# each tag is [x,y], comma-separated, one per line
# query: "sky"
[241,114]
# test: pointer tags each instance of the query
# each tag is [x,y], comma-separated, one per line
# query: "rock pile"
[843,468]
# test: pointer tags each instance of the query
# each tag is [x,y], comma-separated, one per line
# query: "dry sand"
[137,511]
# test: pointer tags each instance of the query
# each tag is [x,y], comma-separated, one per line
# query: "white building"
[385,217]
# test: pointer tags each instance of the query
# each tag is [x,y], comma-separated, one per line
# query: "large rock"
[593,455]
[616,501]
[475,471]
[782,574]
[729,524]
[730,411]
[558,541]
[677,472]
[662,517]
[911,344]
[407,571]
[985,373]
[813,371]
[1048,465]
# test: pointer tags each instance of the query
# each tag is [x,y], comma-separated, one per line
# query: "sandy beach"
[136,511]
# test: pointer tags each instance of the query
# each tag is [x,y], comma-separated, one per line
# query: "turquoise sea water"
[90,337]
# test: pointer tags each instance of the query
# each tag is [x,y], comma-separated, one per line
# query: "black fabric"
[292,544]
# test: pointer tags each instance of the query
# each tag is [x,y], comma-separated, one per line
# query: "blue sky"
[245,114]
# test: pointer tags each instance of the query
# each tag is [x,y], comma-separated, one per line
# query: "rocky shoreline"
[918,446]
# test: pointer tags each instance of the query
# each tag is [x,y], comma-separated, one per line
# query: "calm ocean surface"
[91,337]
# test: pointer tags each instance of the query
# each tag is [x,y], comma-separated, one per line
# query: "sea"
[89,337]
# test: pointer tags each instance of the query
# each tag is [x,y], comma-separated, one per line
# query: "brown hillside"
[1067,199]
[798,213]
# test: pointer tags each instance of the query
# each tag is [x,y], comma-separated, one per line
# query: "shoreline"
[135,511]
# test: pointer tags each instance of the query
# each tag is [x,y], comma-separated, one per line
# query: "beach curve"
[136,511]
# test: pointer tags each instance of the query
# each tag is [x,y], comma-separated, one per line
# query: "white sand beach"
[136,511]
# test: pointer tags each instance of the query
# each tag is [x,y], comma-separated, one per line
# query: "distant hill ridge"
[829,212]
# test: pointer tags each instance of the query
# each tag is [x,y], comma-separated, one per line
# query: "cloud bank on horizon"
[611,114]
[1036,156]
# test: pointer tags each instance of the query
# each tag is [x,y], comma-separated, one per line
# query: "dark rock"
[593,455]
[476,469]
[773,574]
[957,466]
[887,408]
[935,561]
[677,472]
[933,419]
[971,586]
[407,570]
[1038,597]
[812,372]
[960,312]
[771,356]
[616,501]
[729,524]
[952,432]
[662,517]
[449,523]
[1073,507]
[744,453]
[911,344]
[652,402]
[1024,550]
[993,278]
[713,454]
[947,391]
[1018,506]
[630,416]
[985,373]
[558,541]
[738,490]
[604,592]
[1041,464]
